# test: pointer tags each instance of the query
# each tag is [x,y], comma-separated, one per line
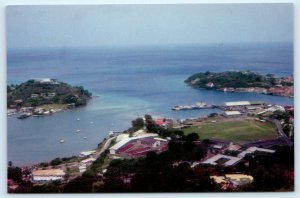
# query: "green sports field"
[236,131]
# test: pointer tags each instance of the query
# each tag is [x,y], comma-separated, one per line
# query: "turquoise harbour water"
[130,82]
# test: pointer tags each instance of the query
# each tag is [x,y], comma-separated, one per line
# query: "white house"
[210,84]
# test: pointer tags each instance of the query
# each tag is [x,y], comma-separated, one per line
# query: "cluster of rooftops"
[232,160]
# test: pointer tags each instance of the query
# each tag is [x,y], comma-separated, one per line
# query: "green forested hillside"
[36,93]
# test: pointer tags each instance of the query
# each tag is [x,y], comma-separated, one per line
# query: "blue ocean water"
[130,82]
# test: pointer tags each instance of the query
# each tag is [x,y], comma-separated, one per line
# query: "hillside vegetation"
[35,93]
[234,79]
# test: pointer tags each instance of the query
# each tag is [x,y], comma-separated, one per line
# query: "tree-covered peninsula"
[45,91]
[243,81]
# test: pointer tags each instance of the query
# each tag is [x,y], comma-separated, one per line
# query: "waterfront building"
[86,153]
[48,175]
[238,103]
[243,103]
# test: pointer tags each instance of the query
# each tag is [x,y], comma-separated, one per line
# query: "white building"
[231,160]
[239,103]
[48,175]
[86,153]
[253,149]
[275,108]
[232,113]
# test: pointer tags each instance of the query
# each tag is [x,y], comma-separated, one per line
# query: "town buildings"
[48,175]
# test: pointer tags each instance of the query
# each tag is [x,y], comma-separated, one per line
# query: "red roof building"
[140,147]
[163,122]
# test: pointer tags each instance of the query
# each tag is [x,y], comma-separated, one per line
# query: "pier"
[198,105]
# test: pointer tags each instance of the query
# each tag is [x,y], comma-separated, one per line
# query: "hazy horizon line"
[212,44]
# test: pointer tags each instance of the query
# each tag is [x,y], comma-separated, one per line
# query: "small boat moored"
[24,115]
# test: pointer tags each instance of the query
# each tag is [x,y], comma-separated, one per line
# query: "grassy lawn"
[236,131]
[54,106]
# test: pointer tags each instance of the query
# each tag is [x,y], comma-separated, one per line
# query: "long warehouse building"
[243,103]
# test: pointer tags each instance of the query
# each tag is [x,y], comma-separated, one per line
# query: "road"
[281,133]
[105,146]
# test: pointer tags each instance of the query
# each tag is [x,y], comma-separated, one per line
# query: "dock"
[198,105]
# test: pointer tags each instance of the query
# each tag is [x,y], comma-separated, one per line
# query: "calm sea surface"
[130,82]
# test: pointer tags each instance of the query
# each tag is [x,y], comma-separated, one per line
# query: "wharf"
[198,105]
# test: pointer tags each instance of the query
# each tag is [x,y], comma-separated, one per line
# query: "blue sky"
[127,25]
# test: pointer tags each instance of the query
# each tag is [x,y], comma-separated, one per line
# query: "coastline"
[243,81]
[87,114]
[44,110]
[107,139]
[237,91]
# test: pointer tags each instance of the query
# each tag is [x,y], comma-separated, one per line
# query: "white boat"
[201,104]
[62,141]
[24,115]
[92,122]
[78,130]
[78,119]
[84,137]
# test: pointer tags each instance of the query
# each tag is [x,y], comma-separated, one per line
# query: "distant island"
[243,81]
[44,96]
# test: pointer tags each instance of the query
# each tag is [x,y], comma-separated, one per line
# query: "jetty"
[198,105]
